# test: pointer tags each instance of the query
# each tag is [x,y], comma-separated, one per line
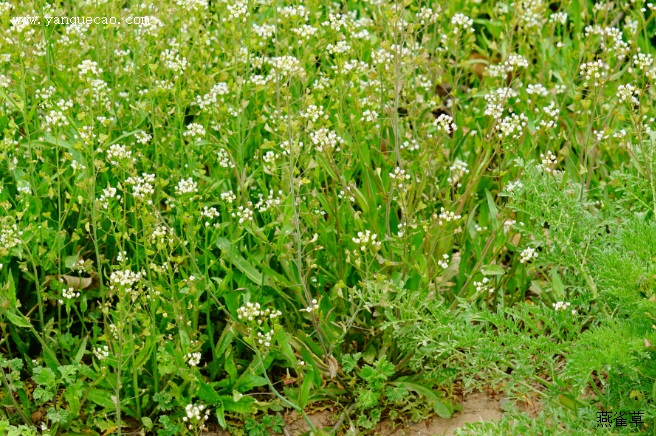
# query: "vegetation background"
[238,207]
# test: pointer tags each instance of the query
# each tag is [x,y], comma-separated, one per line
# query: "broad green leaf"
[18,321]
[440,407]
[239,262]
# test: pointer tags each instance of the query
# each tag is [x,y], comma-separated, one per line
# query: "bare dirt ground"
[476,407]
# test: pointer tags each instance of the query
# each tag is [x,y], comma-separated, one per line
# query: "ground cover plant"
[214,212]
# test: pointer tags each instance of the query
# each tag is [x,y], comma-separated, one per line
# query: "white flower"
[628,93]
[101,353]
[444,123]
[562,305]
[366,240]
[462,23]
[186,186]
[312,307]
[193,359]
[194,130]
[484,286]
[594,73]
[528,255]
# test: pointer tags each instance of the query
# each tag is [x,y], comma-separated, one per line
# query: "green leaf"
[67,373]
[492,270]
[441,408]
[207,393]
[249,381]
[350,362]
[367,399]
[80,351]
[45,377]
[239,262]
[102,398]
[18,321]
[494,212]
[147,422]
[305,390]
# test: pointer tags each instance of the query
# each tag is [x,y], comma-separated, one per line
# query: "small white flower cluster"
[551,119]
[210,213]
[312,307]
[9,237]
[244,213]
[512,126]
[195,415]
[537,89]
[162,235]
[228,196]
[124,280]
[265,31]
[326,139]
[265,339]
[173,61]
[341,47]
[444,262]
[186,186]
[399,176]
[444,123]
[609,34]
[513,62]
[286,66]
[366,240]
[224,158]
[562,305]
[193,359]
[87,67]
[446,216]
[118,153]
[496,100]
[108,193]
[314,113]
[57,117]
[462,23]
[383,57]
[412,145]
[594,73]
[265,204]
[298,12]
[69,293]
[458,169]
[558,17]
[194,130]
[142,186]
[643,61]
[208,100]
[370,116]
[101,353]
[427,16]
[628,93]
[484,286]
[237,10]
[192,5]
[549,161]
[527,255]
[252,311]
[5,7]
[304,33]
[142,137]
